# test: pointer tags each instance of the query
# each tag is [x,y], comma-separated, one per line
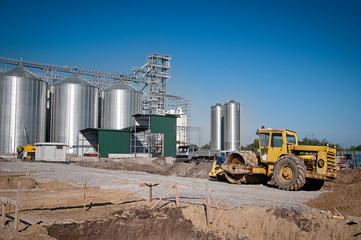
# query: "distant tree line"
[206,146]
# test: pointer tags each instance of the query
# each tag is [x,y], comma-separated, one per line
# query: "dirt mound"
[32,232]
[344,177]
[294,216]
[12,182]
[54,185]
[345,195]
[125,164]
[193,170]
[265,223]
[157,166]
[168,223]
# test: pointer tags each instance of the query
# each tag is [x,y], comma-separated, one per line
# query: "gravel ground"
[190,189]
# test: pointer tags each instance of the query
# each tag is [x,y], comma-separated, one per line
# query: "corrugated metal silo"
[74,107]
[232,126]
[217,127]
[121,101]
[22,109]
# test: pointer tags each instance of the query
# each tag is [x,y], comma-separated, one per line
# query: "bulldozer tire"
[289,173]
[313,184]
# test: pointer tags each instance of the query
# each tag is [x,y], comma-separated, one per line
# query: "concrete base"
[127,155]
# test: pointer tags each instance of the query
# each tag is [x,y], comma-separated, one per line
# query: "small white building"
[50,152]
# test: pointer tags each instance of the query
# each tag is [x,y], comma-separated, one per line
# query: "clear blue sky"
[291,64]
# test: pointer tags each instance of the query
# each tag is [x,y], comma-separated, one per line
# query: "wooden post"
[208,207]
[177,195]
[84,196]
[17,218]
[150,193]
[150,185]
[3,212]
[9,209]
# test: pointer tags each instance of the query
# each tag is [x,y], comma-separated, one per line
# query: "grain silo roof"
[75,79]
[20,71]
[121,85]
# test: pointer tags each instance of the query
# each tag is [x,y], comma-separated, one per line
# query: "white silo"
[22,109]
[232,126]
[74,107]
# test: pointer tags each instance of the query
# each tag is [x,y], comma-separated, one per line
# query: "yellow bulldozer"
[292,166]
[26,152]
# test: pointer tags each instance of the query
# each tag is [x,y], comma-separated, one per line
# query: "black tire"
[289,173]
[313,184]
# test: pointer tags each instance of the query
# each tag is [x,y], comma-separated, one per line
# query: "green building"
[162,129]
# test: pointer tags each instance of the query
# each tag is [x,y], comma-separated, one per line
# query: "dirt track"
[119,208]
[191,190]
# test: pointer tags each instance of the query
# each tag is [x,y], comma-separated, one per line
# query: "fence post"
[17,217]
[3,212]
[84,196]
[177,195]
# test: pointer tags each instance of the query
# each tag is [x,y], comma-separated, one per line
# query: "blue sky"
[291,64]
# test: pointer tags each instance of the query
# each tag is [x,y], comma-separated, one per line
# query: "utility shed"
[109,141]
[144,137]
[50,152]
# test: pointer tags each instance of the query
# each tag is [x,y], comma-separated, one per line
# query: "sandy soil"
[55,210]
[157,166]
[345,194]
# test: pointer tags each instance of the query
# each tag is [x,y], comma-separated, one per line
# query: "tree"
[207,146]
[355,148]
[193,145]
[339,148]
[252,146]
[323,142]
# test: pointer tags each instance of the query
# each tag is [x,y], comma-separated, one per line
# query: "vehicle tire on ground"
[313,184]
[289,173]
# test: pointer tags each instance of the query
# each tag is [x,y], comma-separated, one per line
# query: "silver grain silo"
[121,101]
[232,126]
[74,107]
[217,127]
[22,109]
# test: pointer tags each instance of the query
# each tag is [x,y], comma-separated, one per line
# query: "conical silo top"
[75,79]
[121,85]
[232,101]
[217,105]
[20,71]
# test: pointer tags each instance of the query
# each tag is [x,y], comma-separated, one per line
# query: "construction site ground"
[118,207]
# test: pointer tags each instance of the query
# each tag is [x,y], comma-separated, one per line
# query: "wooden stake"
[3,212]
[338,213]
[208,208]
[177,195]
[17,217]
[9,208]
[150,185]
[84,196]
[150,193]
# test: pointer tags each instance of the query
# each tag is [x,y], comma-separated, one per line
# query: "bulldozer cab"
[273,143]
